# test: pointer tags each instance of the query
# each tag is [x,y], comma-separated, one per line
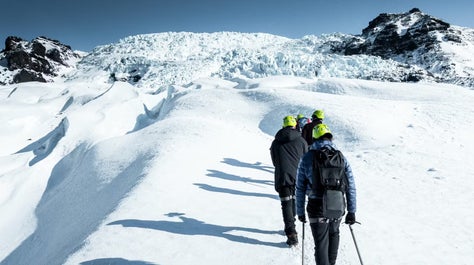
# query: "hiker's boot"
[292,240]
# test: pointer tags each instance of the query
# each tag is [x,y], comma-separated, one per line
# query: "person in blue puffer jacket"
[325,231]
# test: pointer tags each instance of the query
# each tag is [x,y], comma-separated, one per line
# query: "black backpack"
[329,181]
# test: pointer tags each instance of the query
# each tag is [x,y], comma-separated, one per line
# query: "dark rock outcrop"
[389,35]
[411,38]
[37,60]
[27,76]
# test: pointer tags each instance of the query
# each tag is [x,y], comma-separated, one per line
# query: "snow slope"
[99,173]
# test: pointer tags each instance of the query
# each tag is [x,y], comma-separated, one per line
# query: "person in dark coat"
[286,151]
[307,131]
[325,231]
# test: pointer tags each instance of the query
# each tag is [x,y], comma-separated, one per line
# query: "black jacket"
[286,151]
[307,131]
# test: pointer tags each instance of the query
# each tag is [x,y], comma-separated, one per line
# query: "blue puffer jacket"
[304,180]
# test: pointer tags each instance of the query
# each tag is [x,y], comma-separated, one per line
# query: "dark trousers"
[326,240]
[288,209]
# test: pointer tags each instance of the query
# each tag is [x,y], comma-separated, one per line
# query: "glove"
[302,218]
[350,218]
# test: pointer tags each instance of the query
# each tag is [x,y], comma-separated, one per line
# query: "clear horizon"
[86,24]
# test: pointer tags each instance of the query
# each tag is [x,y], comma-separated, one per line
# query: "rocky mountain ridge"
[406,47]
[415,38]
[39,60]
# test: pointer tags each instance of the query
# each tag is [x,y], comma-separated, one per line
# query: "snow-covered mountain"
[411,46]
[415,38]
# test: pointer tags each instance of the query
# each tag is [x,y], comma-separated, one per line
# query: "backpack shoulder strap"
[317,186]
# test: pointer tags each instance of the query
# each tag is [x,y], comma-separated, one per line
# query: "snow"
[101,173]
[176,169]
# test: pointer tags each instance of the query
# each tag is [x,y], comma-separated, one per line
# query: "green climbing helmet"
[289,121]
[319,114]
[299,116]
[320,130]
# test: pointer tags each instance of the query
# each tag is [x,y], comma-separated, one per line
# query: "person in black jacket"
[307,131]
[286,151]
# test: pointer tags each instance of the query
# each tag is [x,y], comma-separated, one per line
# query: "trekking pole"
[302,247]
[355,243]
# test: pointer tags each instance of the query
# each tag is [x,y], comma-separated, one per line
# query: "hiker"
[286,151]
[301,121]
[325,230]
[307,131]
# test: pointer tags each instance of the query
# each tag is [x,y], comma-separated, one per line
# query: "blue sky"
[85,24]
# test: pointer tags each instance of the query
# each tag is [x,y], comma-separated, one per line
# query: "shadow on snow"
[256,165]
[223,175]
[235,192]
[76,200]
[44,146]
[191,226]
[115,261]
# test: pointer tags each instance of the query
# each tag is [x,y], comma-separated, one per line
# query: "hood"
[318,144]
[287,134]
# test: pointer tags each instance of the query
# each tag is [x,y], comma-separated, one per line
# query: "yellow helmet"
[289,121]
[319,114]
[299,116]
[320,130]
